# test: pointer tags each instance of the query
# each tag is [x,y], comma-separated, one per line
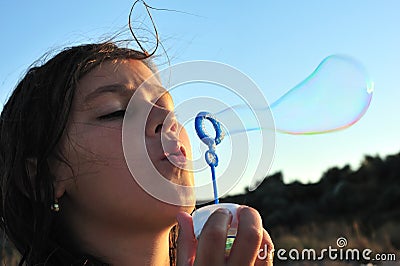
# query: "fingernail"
[224,211]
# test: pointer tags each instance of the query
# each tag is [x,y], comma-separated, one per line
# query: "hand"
[209,250]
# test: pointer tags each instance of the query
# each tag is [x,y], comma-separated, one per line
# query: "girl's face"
[99,185]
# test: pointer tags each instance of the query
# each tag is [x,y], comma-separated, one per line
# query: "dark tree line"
[369,195]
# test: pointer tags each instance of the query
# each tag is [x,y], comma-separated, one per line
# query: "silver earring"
[55,206]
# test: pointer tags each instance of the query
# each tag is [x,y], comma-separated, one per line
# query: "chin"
[166,213]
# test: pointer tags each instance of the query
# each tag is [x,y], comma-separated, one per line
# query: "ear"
[31,169]
[60,184]
[59,188]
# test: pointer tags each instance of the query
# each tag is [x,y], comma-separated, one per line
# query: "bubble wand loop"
[210,155]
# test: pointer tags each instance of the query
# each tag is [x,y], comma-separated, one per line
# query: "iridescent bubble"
[335,96]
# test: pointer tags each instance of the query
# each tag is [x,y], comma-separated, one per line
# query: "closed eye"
[114,115]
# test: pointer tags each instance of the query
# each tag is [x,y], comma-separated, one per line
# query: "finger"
[212,240]
[248,239]
[187,242]
[266,252]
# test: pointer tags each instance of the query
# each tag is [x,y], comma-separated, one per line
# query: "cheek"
[87,150]
[100,174]
[98,145]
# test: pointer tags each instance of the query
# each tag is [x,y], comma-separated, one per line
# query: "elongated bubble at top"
[335,96]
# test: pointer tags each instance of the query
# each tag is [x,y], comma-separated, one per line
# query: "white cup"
[201,215]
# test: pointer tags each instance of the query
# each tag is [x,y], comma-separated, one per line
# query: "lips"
[176,157]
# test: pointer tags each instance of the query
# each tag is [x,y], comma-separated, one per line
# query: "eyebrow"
[114,88]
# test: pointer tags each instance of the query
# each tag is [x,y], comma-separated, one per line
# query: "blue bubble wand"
[210,155]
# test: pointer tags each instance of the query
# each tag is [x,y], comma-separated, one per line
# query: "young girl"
[68,197]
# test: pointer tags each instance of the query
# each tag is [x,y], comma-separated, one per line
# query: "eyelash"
[113,115]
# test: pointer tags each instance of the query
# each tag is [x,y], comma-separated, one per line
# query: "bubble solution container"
[201,215]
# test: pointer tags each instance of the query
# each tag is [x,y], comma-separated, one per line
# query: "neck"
[144,248]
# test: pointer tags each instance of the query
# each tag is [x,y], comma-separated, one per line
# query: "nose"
[161,120]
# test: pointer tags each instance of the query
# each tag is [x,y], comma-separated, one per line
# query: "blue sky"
[276,43]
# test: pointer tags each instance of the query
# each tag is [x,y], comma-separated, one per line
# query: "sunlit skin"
[103,196]
[105,211]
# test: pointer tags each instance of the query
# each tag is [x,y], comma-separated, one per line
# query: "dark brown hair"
[31,124]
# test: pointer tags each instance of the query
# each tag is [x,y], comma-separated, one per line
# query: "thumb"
[187,242]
